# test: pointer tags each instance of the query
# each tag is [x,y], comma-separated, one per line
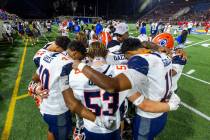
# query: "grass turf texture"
[182,124]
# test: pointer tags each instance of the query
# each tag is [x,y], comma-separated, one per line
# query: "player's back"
[167,61]
[153,87]
[115,57]
[52,66]
[97,100]
[40,53]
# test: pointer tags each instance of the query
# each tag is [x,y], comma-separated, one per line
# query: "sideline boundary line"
[10,114]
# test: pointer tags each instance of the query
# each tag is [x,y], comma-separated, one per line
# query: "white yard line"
[190,71]
[196,111]
[205,82]
[190,107]
[197,43]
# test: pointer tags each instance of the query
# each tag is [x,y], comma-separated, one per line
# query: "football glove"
[107,122]
[174,102]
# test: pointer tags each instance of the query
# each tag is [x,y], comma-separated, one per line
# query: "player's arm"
[115,84]
[71,102]
[76,106]
[177,64]
[134,76]
[154,106]
[35,78]
[174,72]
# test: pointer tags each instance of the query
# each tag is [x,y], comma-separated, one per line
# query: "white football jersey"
[96,99]
[178,65]
[91,34]
[53,66]
[167,61]
[40,53]
[48,25]
[146,73]
[115,57]
[64,31]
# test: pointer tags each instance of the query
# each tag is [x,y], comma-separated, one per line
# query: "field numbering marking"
[197,43]
[190,71]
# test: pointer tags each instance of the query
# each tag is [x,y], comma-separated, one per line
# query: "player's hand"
[174,102]
[42,93]
[181,53]
[107,122]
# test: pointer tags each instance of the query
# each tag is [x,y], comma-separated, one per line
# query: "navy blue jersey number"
[44,77]
[168,78]
[94,101]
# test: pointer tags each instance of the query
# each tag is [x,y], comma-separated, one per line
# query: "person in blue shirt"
[76,28]
[70,25]
[143,34]
[143,28]
[181,39]
[99,28]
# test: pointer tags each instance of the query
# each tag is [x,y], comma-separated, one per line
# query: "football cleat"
[79,134]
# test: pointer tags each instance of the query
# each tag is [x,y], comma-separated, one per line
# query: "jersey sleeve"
[178,68]
[139,64]
[178,60]
[36,61]
[37,56]
[138,68]
[130,92]
[64,76]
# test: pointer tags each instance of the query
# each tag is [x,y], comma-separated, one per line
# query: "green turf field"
[26,121]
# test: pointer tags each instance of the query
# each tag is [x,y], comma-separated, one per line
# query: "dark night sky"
[46,8]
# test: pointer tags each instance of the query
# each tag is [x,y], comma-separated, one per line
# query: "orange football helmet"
[164,40]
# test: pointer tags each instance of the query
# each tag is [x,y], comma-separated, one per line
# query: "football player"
[64,28]
[55,46]
[102,102]
[146,74]
[176,56]
[52,74]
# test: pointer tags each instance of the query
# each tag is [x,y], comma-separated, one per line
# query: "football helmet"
[164,40]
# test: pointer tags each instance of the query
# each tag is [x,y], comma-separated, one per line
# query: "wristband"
[81,66]
[139,100]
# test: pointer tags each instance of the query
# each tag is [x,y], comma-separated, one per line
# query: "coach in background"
[114,55]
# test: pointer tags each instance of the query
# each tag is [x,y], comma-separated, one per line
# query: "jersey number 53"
[102,103]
